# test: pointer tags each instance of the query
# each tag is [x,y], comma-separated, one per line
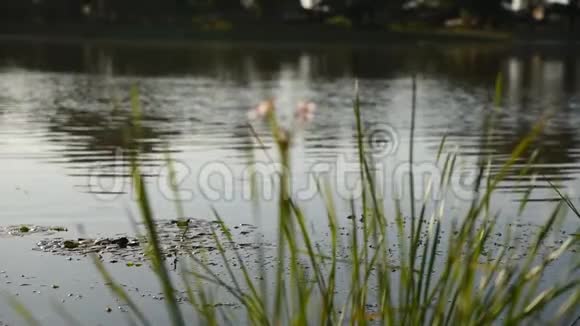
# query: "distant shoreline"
[279,34]
[274,33]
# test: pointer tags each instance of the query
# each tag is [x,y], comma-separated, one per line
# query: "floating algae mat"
[27,229]
[192,236]
[177,237]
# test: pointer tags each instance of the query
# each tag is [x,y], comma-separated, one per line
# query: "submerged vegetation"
[441,272]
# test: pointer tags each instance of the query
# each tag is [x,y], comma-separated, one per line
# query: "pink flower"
[261,111]
[305,111]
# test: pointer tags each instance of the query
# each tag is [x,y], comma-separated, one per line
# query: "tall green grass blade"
[147,215]
[118,290]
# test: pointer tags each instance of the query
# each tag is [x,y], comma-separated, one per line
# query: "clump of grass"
[466,289]
[24,229]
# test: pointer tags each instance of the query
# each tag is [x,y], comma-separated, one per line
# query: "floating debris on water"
[177,237]
[226,304]
[70,244]
[27,229]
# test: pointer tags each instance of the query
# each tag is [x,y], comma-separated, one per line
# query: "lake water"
[65,113]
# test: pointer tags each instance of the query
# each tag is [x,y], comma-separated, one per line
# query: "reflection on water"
[68,106]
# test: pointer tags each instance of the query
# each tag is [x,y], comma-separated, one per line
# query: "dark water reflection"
[65,108]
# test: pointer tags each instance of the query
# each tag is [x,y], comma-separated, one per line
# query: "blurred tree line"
[359,12]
